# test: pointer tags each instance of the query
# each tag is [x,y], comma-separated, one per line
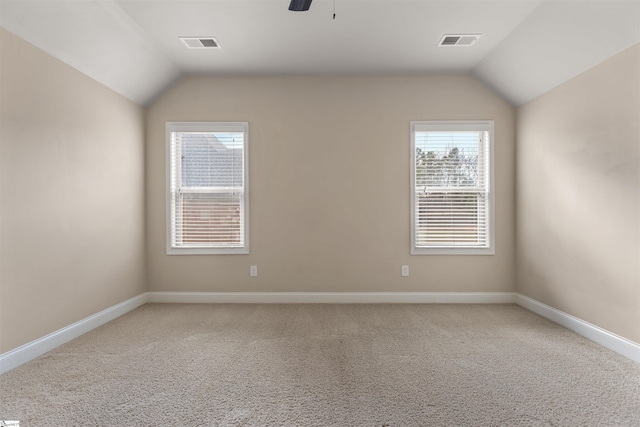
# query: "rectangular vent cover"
[200,42]
[461,40]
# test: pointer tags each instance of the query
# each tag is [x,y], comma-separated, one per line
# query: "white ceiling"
[132,46]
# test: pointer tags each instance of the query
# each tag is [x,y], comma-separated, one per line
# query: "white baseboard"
[334,297]
[601,336]
[29,351]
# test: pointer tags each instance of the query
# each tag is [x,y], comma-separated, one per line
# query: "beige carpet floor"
[325,365]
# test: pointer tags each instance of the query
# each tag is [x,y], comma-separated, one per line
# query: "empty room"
[320,213]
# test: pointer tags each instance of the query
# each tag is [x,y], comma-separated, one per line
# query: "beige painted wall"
[578,205]
[329,176]
[71,195]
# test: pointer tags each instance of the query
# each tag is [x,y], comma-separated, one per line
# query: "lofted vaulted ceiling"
[527,46]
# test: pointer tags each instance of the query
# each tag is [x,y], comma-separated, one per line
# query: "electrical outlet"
[405,271]
[253,270]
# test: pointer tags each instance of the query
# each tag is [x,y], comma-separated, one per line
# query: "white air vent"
[200,42]
[458,40]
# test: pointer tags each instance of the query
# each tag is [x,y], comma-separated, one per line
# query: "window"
[207,188]
[452,188]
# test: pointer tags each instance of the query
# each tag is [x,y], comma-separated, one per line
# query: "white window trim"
[454,125]
[207,127]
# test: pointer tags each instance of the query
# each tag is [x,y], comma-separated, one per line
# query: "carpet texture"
[325,365]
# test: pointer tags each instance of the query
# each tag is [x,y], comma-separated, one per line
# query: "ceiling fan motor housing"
[299,5]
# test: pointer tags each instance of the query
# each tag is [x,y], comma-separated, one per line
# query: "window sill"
[208,251]
[453,251]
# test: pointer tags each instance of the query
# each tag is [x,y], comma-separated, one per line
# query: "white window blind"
[207,188]
[451,188]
